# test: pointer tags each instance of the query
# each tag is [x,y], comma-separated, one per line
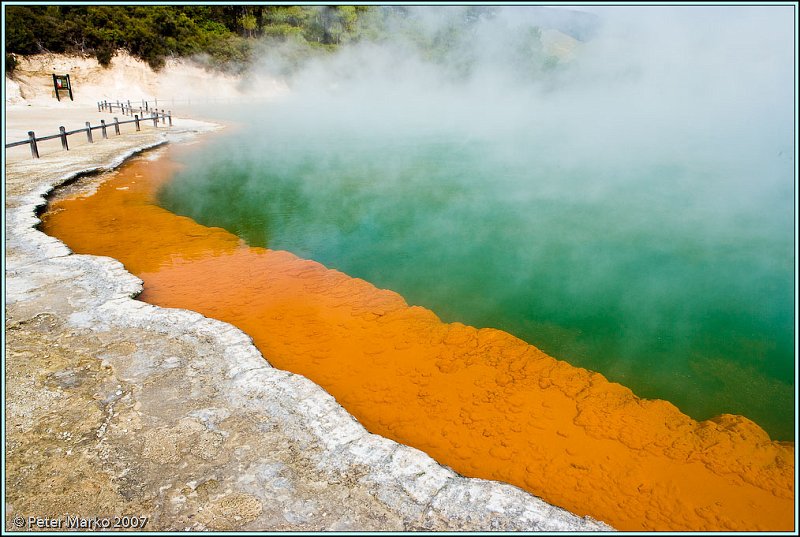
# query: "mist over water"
[627,207]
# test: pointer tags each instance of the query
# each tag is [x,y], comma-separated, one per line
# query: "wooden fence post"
[103,128]
[89,132]
[155,119]
[55,85]
[98,106]
[34,148]
[136,119]
[116,126]
[169,116]
[63,132]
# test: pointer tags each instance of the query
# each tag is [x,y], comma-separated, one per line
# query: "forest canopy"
[230,37]
[225,34]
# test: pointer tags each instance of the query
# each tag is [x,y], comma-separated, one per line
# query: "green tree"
[226,33]
[249,23]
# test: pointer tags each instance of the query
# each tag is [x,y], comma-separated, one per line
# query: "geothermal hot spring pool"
[667,271]
[671,273]
[453,255]
[660,275]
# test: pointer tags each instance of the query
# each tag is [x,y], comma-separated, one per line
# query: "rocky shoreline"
[119,408]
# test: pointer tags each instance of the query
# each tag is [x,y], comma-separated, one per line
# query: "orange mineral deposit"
[478,400]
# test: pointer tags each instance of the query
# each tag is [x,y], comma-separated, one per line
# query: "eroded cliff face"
[480,401]
[180,82]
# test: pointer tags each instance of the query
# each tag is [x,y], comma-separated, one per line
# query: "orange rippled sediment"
[478,400]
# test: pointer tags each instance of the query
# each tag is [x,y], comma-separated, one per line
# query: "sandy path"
[45,119]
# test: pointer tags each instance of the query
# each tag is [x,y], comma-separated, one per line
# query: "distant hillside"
[225,34]
[228,36]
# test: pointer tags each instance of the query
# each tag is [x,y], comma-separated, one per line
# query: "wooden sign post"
[61,82]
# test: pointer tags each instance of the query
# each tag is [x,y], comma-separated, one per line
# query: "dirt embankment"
[178,82]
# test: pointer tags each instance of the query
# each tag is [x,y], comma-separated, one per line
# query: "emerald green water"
[669,271]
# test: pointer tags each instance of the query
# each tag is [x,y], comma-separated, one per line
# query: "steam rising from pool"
[626,206]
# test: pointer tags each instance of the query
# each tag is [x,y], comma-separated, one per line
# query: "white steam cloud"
[632,145]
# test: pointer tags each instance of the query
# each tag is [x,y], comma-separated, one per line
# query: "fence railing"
[126,108]
[154,102]
[33,140]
